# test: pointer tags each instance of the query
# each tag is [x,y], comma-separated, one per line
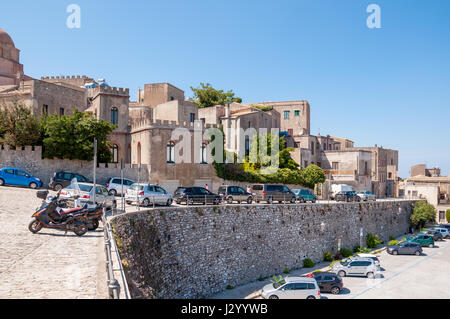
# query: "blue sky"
[387,86]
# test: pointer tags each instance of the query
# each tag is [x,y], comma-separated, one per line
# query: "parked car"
[375,258]
[444,231]
[347,196]
[86,194]
[446,226]
[114,185]
[356,266]
[292,288]
[232,194]
[423,240]
[147,195]
[405,248]
[269,193]
[329,282]
[196,195]
[18,177]
[61,180]
[367,196]
[437,235]
[304,195]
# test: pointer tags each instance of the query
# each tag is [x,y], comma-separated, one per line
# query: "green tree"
[422,214]
[72,137]
[447,215]
[312,175]
[207,96]
[18,126]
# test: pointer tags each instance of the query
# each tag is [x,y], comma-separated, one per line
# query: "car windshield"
[85,188]
[137,187]
[277,285]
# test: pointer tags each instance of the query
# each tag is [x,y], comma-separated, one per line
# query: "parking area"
[48,264]
[404,276]
[401,277]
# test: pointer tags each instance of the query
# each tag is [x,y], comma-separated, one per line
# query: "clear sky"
[387,86]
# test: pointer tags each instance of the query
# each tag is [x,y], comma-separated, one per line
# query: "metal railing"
[113,283]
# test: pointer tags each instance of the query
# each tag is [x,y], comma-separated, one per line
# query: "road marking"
[399,273]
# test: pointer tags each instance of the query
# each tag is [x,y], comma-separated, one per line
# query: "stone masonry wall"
[31,161]
[197,252]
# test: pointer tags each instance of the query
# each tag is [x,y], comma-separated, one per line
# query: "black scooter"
[48,216]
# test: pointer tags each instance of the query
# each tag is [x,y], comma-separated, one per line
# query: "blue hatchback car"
[18,177]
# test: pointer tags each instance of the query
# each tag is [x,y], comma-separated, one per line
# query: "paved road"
[48,264]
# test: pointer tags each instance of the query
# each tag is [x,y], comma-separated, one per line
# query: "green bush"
[286,271]
[230,287]
[372,241]
[364,250]
[393,243]
[447,215]
[346,252]
[327,256]
[391,238]
[308,263]
[423,213]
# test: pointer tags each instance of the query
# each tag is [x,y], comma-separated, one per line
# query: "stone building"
[429,185]
[145,126]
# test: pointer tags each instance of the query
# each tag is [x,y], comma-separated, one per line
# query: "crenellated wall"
[197,252]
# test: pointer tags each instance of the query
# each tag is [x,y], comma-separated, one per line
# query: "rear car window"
[85,188]
[258,187]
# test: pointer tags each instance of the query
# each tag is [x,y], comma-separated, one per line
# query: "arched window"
[115,154]
[171,152]
[114,115]
[203,154]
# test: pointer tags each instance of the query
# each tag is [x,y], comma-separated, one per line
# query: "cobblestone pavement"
[47,264]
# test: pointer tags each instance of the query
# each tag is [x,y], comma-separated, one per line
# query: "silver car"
[85,194]
[367,196]
[147,195]
[292,288]
[356,267]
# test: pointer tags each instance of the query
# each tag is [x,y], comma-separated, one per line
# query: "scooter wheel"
[80,229]
[35,226]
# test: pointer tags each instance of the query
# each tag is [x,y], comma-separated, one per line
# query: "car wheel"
[395,253]
[113,192]
[169,202]
[114,205]
[274,297]
[431,245]
[269,200]
[33,185]
[335,290]
[293,200]
[418,253]
[230,200]
[146,202]
[190,202]
[57,187]
[249,200]
[314,201]
[342,273]
[2,182]
[311,297]
[370,275]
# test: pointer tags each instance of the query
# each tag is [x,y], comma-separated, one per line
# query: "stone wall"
[197,252]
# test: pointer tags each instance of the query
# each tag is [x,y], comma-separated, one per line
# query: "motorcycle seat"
[69,211]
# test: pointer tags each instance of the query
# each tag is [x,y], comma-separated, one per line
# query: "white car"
[114,185]
[292,288]
[147,195]
[443,231]
[86,194]
[356,267]
[375,258]
[367,196]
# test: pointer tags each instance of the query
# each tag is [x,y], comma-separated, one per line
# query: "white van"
[337,188]
[292,288]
